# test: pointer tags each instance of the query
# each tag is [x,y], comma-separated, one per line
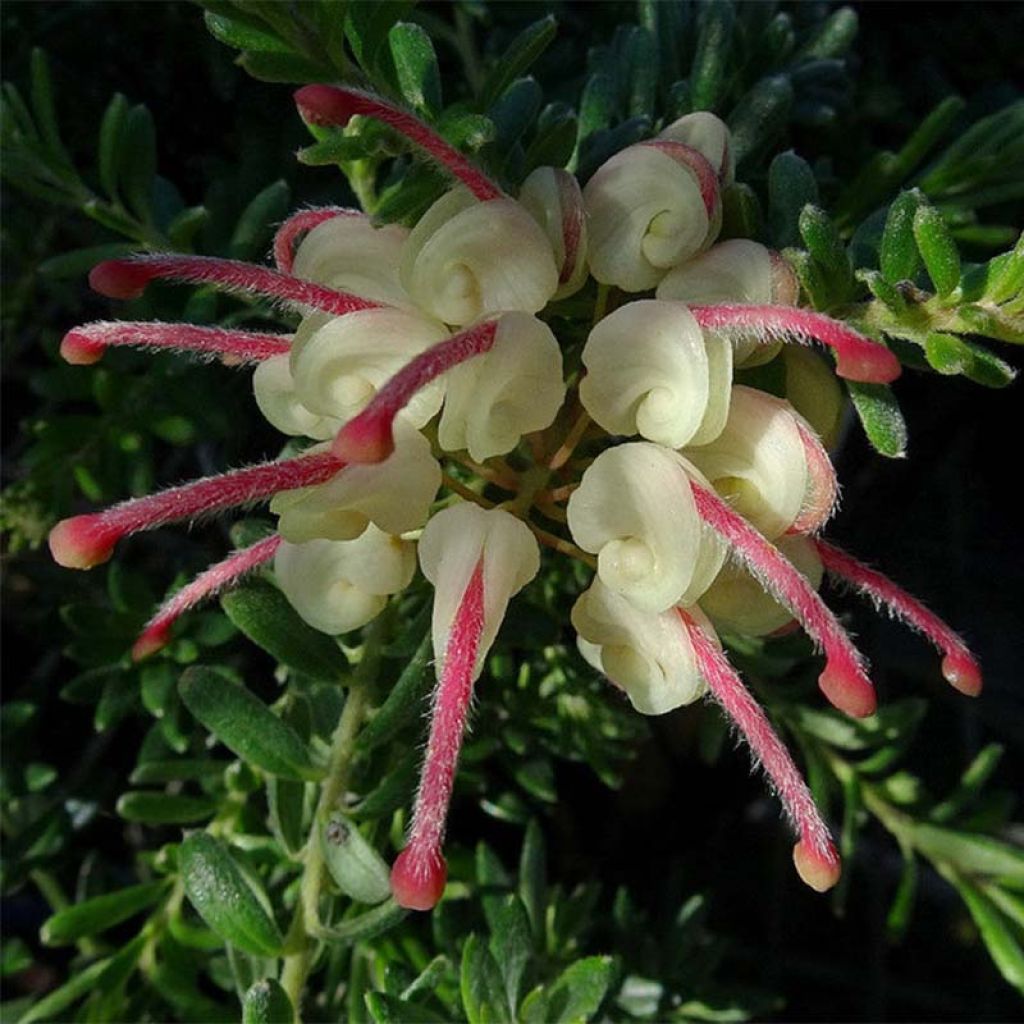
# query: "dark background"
[945,523]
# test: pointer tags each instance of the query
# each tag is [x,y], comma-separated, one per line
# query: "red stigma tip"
[149,643]
[418,882]
[364,441]
[119,279]
[962,673]
[849,691]
[818,869]
[80,350]
[878,367]
[81,542]
[323,105]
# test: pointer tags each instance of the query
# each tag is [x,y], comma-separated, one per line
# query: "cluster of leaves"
[241,747]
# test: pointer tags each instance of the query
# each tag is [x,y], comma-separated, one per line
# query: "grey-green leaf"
[881,418]
[354,864]
[267,1003]
[938,249]
[416,66]
[99,913]
[224,898]
[517,58]
[246,726]
[150,807]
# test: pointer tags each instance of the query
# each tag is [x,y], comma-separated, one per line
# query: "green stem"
[300,940]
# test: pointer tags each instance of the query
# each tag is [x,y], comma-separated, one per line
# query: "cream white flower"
[652,371]
[648,656]
[635,510]
[554,199]
[514,388]
[758,462]
[339,585]
[466,259]
[395,495]
[649,210]
[710,136]
[737,603]
[453,543]
[277,399]
[339,365]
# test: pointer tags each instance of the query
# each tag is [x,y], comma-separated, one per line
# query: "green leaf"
[898,255]
[969,853]
[243,35]
[970,785]
[15,956]
[937,248]
[253,230]
[264,615]
[153,772]
[518,58]
[404,701]
[882,290]
[987,369]
[99,913]
[152,808]
[112,130]
[246,726]
[184,226]
[903,902]
[533,877]
[280,67]
[52,1006]
[79,262]
[999,935]
[45,111]
[511,946]
[791,186]
[712,57]
[574,997]
[741,212]
[834,37]
[827,250]
[267,1003]
[286,801]
[224,898]
[364,926]
[881,418]
[416,67]
[760,116]
[810,276]
[357,868]
[947,354]
[555,140]
[137,171]
[483,995]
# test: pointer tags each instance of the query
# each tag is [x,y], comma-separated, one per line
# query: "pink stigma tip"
[417,883]
[817,869]
[80,350]
[324,105]
[119,279]
[81,542]
[849,691]
[149,643]
[364,441]
[962,673]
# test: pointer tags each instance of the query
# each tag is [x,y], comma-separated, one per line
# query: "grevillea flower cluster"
[425,356]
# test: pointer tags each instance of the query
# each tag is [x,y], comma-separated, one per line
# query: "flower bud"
[554,200]
[710,136]
[651,371]
[340,365]
[512,389]
[738,603]
[465,259]
[635,510]
[650,207]
[454,543]
[350,254]
[737,270]
[758,462]
[339,585]
[274,388]
[395,495]
[648,656]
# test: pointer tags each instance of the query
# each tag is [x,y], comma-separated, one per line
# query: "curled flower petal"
[634,509]
[512,389]
[736,602]
[758,462]
[553,198]
[453,543]
[395,495]
[274,389]
[652,372]
[648,211]
[646,655]
[710,136]
[339,366]
[339,585]
[352,255]
[466,259]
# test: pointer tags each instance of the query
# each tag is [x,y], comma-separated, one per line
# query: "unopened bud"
[710,136]
[553,198]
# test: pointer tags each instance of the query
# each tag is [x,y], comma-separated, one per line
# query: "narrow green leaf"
[882,290]
[99,913]
[512,947]
[597,105]
[518,58]
[989,370]
[149,773]
[242,35]
[483,996]
[52,1006]
[137,161]
[898,255]
[281,67]
[246,726]
[555,140]
[184,227]
[935,125]
[354,864]
[286,801]
[79,262]
[947,354]
[741,212]
[834,37]
[937,248]
[881,418]
[642,73]
[1007,280]
[577,994]
[760,116]
[809,273]
[112,129]
[364,926]
[404,701]
[419,77]
[711,60]
[533,877]
[224,898]
[267,1003]
[152,808]
[828,251]
[902,906]
[254,227]
[996,932]
[969,853]
[791,186]
[264,615]
[45,110]
[971,782]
